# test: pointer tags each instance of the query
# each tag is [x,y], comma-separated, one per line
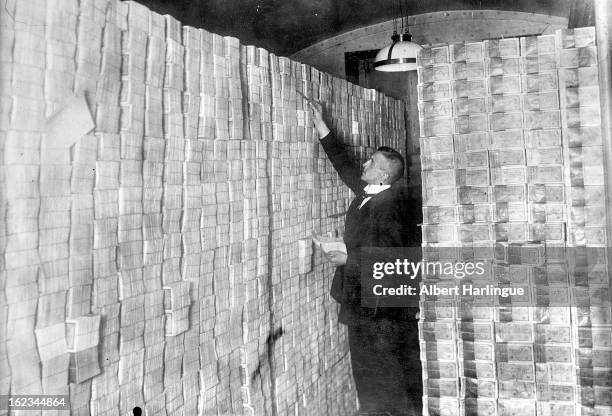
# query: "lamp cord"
[406,8]
[401,14]
[406,16]
[394,23]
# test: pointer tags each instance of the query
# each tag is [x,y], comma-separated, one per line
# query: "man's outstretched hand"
[316,112]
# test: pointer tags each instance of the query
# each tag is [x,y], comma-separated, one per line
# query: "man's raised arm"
[347,169]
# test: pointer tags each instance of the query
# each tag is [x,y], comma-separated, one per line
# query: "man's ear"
[384,178]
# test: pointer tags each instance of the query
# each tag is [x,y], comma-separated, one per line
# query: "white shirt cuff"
[323,132]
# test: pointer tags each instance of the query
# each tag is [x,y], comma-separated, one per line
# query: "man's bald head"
[394,163]
[384,167]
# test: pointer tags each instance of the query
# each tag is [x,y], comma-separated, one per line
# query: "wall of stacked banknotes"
[163,258]
[512,173]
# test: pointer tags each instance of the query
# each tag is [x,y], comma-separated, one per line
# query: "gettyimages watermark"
[502,275]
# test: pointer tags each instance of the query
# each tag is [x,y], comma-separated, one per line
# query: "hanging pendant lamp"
[400,55]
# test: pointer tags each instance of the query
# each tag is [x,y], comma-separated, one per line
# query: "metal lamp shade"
[397,57]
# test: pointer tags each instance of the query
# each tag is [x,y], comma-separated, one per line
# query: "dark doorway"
[359,68]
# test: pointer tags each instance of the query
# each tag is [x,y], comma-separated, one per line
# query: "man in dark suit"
[383,342]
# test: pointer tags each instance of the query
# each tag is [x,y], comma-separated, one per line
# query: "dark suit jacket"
[386,220]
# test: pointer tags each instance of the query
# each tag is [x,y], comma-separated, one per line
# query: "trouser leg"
[411,359]
[386,368]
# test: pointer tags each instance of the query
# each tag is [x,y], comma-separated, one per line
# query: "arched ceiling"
[286,26]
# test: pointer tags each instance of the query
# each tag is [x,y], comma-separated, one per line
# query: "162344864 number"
[34,402]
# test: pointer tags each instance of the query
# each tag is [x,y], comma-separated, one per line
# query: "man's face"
[374,169]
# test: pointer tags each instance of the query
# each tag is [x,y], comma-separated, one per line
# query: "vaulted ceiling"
[286,26]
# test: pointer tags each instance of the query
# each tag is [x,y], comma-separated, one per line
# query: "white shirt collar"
[374,189]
